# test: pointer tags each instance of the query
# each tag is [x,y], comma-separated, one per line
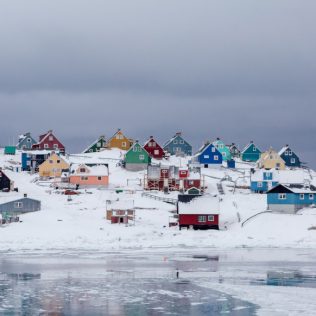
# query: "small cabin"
[199,213]
[120,212]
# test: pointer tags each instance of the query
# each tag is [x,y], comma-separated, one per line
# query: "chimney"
[217,138]
[178,134]
[287,145]
[25,195]
[151,137]
[251,142]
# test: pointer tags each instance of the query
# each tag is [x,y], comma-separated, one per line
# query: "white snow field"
[81,223]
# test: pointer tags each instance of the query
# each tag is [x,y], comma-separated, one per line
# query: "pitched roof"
[94,170]
[290,189]
[95,142]
[247,147]
[202,205]
[283,176]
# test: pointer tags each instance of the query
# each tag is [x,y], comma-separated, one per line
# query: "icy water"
[137,283]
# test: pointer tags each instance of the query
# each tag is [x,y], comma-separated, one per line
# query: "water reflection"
[114,285]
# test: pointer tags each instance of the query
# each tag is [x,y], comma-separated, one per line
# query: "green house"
[251,153]
[137,158]
[96,146]
[9,150]
[223,149]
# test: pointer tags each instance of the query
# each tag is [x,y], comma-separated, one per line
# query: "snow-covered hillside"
[81,224]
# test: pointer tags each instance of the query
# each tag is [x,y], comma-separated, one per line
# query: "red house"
[171,178]
[200,213]
[49,141]
[154,149]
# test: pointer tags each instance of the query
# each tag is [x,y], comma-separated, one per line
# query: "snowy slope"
[81,223]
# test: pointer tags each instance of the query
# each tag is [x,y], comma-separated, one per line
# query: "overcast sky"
[240,70]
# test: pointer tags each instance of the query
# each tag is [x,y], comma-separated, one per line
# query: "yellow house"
[119,140]
[53,166]
[271,160]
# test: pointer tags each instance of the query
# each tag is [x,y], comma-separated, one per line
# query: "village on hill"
[121,194]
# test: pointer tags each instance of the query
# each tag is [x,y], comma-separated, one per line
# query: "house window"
[293,160]
[216,157]
[213,149]
[286,153]
[181,141]
[135,149]
[50,138]
[123,144]
[224,154]
[154,144]
[91,150]
[82,170]
[202,219]
[164,171]
[58,161]
[290,153]
[311,196]
[18,204]
[191,182]
[150,144]
[84,178]
[282,196]
[254,148]
[98,144]
[45,145]
[29,140]
[175,142]
[156,152]
[221,146]
[259,184]
[141,157]
[206,157]
[302,196]
[51,161]
[210,218]
[99,178]
[55,146]
[277,165]
[183,172]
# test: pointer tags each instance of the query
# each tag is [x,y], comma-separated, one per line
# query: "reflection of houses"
[49,141]
[12,207]
[171,178]
[263,180]
[271,160]
[290,199]
[120,212]
[26,141]
[5,183]
[53,166]
[89,175]
[31,160]
[199,213]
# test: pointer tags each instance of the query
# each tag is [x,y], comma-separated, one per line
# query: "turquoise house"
[223,149]
[251,153]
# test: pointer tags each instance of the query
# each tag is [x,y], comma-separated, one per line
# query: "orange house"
[119,140]
[89,175]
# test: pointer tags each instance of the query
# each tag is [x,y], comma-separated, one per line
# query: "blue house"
[26,142]
[17,206]
[251,153]
[178,146]
[264,180]
[208,156]
[290,199]
[31,160]
[289,156]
